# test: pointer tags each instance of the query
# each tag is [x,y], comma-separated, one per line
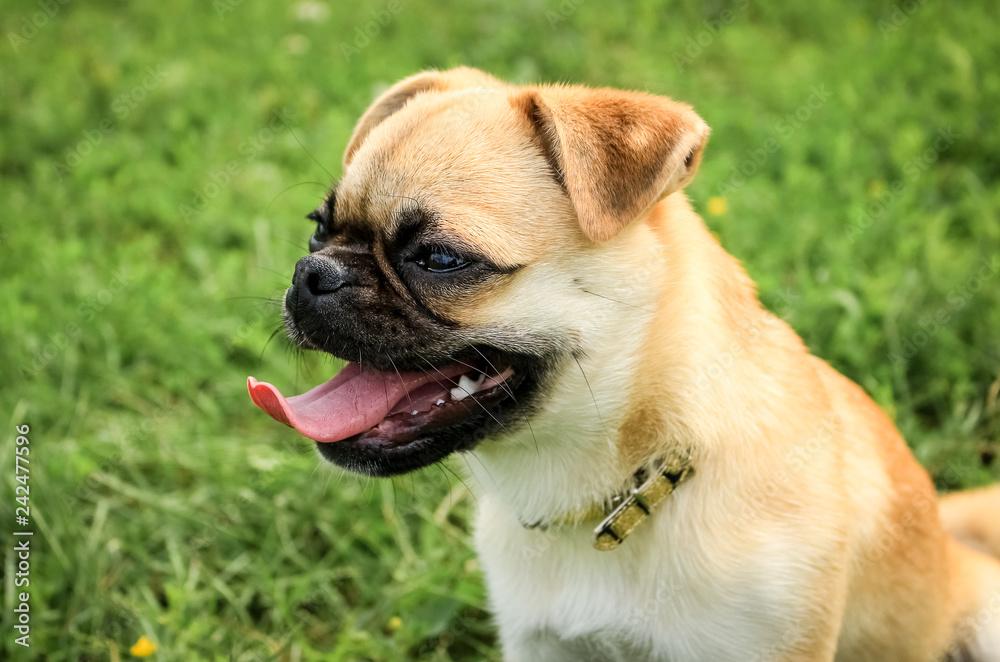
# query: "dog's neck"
[633,393]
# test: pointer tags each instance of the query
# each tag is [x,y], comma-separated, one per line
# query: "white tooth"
[415,412]
[467,384]
[459,393]
[440,402]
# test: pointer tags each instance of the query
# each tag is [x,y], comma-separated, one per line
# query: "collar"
[621,514]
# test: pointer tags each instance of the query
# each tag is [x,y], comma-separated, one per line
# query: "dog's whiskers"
[304,149]
[401,382]
[507,388]
[623,303]
[471,345]
[481,405]
[267,342]
[289,188]
[592,396]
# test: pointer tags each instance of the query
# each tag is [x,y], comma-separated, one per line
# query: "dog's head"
[453,264]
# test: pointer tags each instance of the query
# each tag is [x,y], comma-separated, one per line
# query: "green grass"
[147,230]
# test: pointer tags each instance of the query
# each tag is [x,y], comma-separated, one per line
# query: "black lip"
[470,421]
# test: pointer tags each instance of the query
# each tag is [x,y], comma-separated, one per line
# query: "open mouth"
[384,423]
[393,407]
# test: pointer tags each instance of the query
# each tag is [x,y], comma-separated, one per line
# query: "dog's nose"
[320,275]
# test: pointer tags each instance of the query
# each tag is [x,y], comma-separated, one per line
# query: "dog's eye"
[439,260]
[322,234]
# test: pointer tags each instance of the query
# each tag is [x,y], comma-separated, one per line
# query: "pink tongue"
[352,402]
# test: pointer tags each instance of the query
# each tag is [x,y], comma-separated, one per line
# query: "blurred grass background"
[153,188]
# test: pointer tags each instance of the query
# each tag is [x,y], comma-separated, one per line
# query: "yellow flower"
[716,206]
[395,623]
[143,648]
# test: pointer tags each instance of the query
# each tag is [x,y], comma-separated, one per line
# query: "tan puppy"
[515,273]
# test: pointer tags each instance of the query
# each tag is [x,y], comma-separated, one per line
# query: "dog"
[662,469]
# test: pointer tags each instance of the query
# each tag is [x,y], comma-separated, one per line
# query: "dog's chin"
[386,422]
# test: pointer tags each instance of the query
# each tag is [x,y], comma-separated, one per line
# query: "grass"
[155,174]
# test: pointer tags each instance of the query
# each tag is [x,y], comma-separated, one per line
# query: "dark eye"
[322,234]
[438,260]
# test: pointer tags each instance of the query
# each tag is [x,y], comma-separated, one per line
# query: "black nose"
[316,276]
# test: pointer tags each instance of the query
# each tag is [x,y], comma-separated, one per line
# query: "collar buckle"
[637,506]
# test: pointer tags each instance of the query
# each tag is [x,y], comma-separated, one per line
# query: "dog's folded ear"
[615,153]
[397,96]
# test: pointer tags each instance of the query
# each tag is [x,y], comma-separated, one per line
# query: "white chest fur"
[669,593]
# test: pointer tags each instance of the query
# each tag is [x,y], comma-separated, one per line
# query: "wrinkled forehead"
[464,165]
[436,142]
[455,156]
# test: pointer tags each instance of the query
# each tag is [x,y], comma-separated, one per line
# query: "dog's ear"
[397,96]
[615,153]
